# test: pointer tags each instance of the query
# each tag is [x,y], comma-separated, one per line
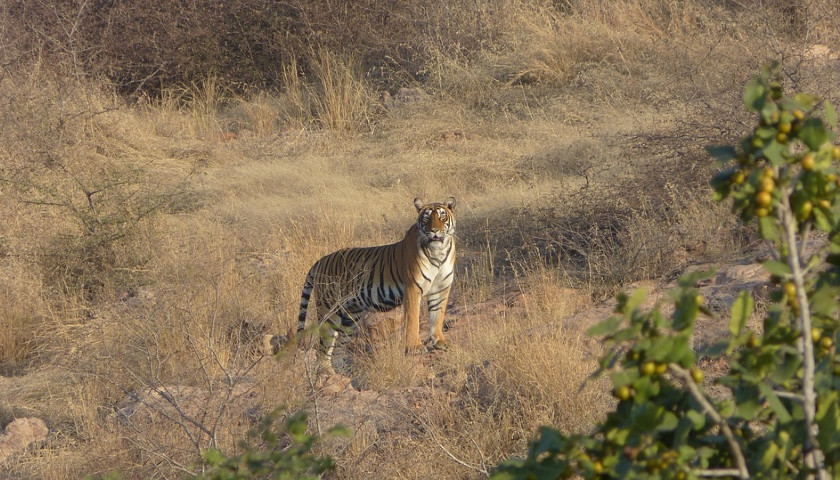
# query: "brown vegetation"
[163,195]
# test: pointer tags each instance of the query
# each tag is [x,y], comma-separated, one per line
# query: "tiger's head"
[436,221]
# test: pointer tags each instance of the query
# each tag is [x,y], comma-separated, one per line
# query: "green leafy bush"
[274,456]
[779,415]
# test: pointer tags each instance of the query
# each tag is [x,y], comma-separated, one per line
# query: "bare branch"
[812,455]
[709,409]
[723,472]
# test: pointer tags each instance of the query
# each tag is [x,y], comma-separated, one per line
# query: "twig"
[479,469]
[722,472]
[708,409]
[812,455]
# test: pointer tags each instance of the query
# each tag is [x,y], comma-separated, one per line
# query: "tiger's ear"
[419,204]
[450,203]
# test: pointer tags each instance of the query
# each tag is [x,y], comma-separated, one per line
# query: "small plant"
[274,457]
[284,452]
[781,415]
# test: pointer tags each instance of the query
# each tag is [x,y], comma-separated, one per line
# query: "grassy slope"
[574,148]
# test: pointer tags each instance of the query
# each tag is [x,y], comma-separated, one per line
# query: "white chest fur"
[437,265]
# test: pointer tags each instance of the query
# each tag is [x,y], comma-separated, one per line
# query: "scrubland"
[153,234]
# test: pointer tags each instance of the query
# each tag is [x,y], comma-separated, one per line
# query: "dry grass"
[148,247]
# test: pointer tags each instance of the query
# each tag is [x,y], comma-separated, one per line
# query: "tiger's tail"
[308,285]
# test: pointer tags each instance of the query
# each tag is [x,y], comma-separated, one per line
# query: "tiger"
[349,283]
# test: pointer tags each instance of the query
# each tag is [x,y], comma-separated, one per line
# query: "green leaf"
[777,268]
[830,114]
[693,278]
[550,440]
[723,153]
[722,184]
[667,422]
[828,418]
[636,300]
[660,348]
[822,221]
[806,101]
[754,95]
[775,152]
[741,311]
[768,229]
[823,300]
[771,450]
[813,133]
[604,327]
[748,409]
[774,402]
[698,420]
[213,457]
[685,313]
[624,377]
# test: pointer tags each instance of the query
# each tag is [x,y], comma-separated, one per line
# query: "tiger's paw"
[418,349]
[439,344]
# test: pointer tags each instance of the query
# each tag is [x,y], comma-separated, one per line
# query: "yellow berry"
[648,368]
[807,207]
[661,368]
[816,333]
[835,152]
[798,114]
[738,177]
[790,289]
[623,392]
[808,161]
[826,342]
[781,137]
[762,212]
[763,199]
[784,127]
[697,375]
[766,184]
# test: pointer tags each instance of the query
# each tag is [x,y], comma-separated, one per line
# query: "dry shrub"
[23,313]
[341,99]
[385,365]
[193,111]
[656,19]
[335,96]
[260,113]
[66,160]
[180,361]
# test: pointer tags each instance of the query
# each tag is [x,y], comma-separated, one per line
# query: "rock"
[20,434]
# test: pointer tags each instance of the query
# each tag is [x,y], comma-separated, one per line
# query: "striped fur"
[351,282]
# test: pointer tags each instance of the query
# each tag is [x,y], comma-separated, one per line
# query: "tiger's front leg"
[437,312]
[411,319]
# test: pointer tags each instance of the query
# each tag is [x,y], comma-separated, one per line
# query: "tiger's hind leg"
[335,324]
[328,332]
[328,335]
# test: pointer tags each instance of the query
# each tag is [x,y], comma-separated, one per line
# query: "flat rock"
[20,434]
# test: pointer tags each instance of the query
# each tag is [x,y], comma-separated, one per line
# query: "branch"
[709,409]
[722,472]
[812,455]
